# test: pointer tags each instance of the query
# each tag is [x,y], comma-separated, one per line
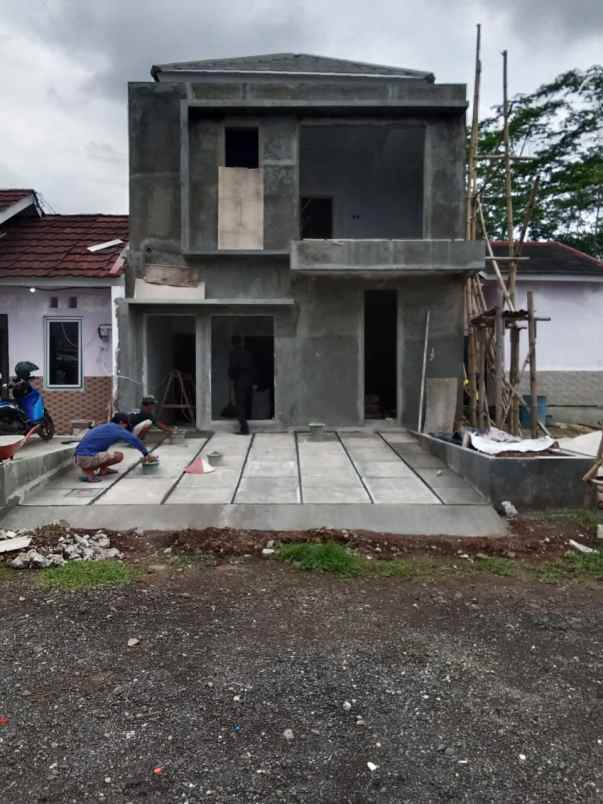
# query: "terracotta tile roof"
[10,197]
[550,257]
[57,245]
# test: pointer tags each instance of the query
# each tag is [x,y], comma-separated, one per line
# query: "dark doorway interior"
[241,147]
[4,366]
[317,218]
[380,354]
[257,333]
[171,366]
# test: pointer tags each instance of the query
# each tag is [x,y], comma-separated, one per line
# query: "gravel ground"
[469,688]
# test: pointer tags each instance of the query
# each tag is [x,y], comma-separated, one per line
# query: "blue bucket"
[524,413]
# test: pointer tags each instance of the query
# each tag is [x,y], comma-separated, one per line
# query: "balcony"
[391,258]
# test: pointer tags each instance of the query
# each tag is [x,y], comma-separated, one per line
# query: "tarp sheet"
[496,442]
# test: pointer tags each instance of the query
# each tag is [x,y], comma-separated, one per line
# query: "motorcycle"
[26,410]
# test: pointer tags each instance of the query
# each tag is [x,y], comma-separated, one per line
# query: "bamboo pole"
[499,275]
[533,384]
[500,361]
[470,229]
[508,176]
[472,377]
[514,381]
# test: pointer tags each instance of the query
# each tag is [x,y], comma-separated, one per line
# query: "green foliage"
[329,557]
[577,565]
[497,566]
[333,557]
[560,125]
[86,574]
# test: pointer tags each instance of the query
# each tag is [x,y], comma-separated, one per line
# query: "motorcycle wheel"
[46,430]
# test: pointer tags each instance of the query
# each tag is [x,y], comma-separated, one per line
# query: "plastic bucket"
[525,414]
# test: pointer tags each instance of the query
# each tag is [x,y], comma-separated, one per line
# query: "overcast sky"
[66,63]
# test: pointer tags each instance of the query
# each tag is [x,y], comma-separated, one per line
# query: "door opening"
[380,354]
[171,366]
[257,339]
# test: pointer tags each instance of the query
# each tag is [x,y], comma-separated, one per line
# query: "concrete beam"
[393,257]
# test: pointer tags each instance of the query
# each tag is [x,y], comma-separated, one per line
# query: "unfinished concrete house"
[313,206]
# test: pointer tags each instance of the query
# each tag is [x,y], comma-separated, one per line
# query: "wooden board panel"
[240,208]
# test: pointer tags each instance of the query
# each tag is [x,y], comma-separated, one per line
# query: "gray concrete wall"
[373,173]
[154,133]
[531,484]
[319,350]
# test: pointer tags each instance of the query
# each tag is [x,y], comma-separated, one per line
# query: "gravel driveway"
[470,688]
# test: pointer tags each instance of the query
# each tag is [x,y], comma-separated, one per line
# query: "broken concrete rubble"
[73,547]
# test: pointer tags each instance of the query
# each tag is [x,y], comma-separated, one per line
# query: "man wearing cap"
[93,455]
[140,421]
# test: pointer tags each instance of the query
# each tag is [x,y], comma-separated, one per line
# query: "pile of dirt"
[538,538]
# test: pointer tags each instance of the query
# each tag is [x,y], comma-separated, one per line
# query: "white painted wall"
[26,328]
[573,339]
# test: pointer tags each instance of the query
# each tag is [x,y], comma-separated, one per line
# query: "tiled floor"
[272,468]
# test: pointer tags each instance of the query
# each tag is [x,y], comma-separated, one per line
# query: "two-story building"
[311,205]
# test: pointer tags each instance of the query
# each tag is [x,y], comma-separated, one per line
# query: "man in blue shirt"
[92,454]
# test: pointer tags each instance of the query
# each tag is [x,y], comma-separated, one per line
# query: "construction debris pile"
[71,547]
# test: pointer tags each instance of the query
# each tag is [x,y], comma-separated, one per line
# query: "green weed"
[328,557]
[497,566]
[333,557]
[86,574]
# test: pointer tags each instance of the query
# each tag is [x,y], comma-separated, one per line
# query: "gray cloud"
[70,61]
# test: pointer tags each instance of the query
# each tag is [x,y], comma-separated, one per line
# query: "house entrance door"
[380,354]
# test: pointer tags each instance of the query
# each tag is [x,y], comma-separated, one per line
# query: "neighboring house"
[568,287]
[313,206]
[56,302]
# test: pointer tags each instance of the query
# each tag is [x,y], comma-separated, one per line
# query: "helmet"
[24,369]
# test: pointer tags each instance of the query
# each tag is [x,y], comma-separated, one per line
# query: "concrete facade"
[403,228]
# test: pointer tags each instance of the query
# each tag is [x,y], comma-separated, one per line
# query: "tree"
[560,125]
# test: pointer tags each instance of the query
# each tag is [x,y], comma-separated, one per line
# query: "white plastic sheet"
[495,442]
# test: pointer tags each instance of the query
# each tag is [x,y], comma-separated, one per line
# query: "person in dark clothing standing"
[241,372]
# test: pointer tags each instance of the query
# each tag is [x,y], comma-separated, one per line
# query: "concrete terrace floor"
[383,482]
[275,468]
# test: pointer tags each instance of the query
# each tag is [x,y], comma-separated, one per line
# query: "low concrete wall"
[531,484]
[27,471]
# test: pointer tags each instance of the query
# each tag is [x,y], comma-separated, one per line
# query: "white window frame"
[62,320]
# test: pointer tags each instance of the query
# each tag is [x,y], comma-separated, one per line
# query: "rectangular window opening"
[63,353]
[317,218]
[241,147]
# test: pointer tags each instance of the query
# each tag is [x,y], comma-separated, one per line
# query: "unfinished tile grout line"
[121,477]
[236,491]
[172,488]
[351,460]
[412,468]
[299,474]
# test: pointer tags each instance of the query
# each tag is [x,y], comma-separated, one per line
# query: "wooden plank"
[240,209]
[423,371]
[18,543]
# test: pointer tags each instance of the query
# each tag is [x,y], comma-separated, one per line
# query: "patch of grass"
[333,557]
[580,516]
[86,574]
[7,573]
[577,566]
[497,566]
[328,557]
